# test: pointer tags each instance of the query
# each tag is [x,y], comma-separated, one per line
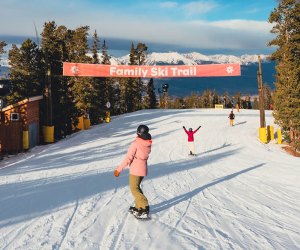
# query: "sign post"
[262,130]
[107,113]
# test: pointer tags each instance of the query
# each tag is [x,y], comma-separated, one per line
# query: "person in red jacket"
[136,158]
[190,134]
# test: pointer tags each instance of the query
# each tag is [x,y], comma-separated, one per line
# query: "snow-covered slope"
[235,194]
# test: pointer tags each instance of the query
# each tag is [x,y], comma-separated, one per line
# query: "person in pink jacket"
[136,158]
[190,133]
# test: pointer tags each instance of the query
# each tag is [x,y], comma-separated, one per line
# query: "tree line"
[36,69]
[209,98]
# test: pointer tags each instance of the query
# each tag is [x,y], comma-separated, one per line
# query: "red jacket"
[190,134]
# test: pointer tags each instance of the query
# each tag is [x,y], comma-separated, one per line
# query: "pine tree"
[82,87]
[129,88]
[26,72]
[248,102]
[267,95]
[286,20]
[255,103]
[133,87]
[150,98]
[226,100]
[216,98]
[192,101]
[207,99]
[122,102]
[95,48]
[105,56]
[97,103]
[140,55]
[60,110]
[108,82]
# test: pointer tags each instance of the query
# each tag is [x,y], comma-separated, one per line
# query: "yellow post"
[279,136]
[263,135]
[86,123]
[107,118]
[271,131]
[48,133]
[80,124]
[26,139]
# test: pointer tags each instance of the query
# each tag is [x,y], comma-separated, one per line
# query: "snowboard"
[139,218]
[142,219]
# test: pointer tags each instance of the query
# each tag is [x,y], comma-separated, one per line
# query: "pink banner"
[100,70]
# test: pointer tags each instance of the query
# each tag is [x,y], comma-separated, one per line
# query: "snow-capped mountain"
[4,62]
[192,58]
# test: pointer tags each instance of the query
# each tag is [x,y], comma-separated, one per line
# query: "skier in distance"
[231,118]
[190,133]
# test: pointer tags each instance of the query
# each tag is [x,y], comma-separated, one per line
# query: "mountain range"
[245,84]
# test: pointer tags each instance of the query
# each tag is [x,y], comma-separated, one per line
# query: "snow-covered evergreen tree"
[26,72]
[286,20]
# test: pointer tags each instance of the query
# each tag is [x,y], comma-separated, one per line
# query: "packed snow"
[237,193]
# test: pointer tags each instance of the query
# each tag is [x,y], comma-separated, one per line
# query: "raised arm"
[197,129]
[185,129]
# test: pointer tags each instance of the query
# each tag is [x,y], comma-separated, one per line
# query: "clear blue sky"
[203,24]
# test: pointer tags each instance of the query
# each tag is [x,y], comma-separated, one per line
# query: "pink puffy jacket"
[136,157]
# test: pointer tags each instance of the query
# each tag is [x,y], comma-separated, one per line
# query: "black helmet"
[142,129]
[190,129]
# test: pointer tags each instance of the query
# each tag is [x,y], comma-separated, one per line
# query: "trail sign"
[161,71]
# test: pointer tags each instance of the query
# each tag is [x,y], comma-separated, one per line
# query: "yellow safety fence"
[266,134]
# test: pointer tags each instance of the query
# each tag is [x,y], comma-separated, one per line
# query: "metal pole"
[49,97]
[260,94]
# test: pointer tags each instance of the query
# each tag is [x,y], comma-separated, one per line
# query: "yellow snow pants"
[135,188]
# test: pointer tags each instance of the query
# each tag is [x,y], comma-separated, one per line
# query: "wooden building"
[19,126]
